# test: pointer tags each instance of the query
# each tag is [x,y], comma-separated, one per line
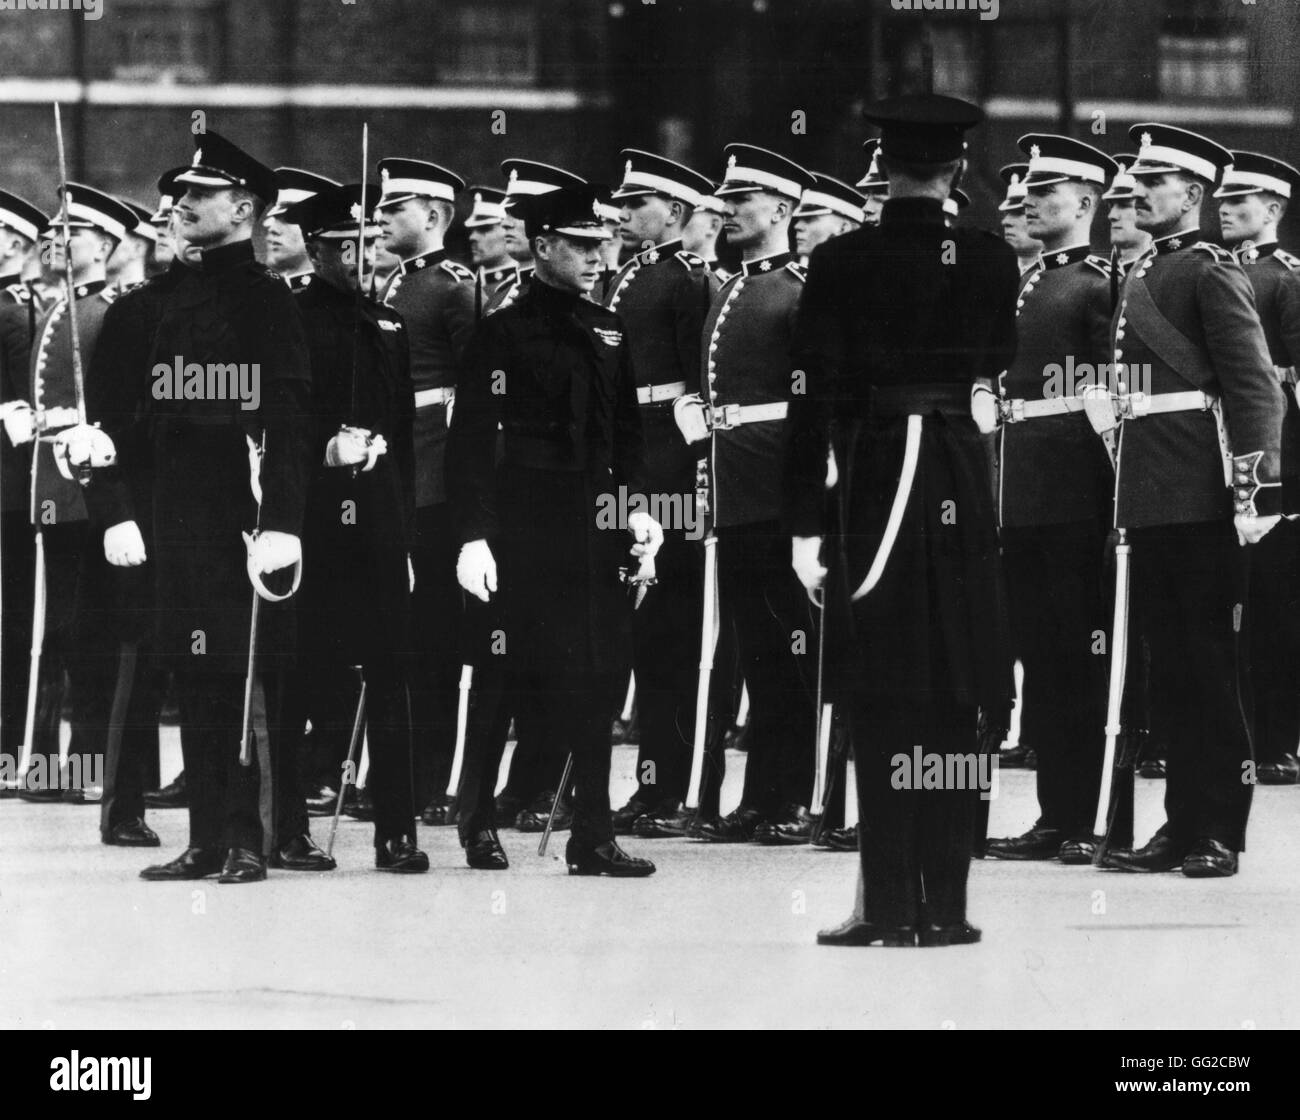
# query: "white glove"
[271,551]
[410,575]
[123,545]
[832,470]
[1252,530]
[82,446]
[476,570]
[649,534]
[347,447]
[19,422]
[451,404]
[805,555]
[688,412]
[984,408]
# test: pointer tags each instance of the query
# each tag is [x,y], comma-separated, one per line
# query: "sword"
[708,648]
[348,767]
[1106,813]
[78,377]
[560,791]
[462,727]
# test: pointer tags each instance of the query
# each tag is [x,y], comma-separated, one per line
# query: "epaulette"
[1100,263]
[800,273]
[1291,261]
[690,260]
[456,270]
[1218,252]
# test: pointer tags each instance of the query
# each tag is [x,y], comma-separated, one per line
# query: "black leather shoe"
[172,796]
[1284,771]
[507,807]
[837,839]
[322,800]
[792,825]
[400,855]
[301,853]
[624,818]
[131,834]
[606,859]
[92,796]
[1020,757]
[1209,859]
[667,821]
[358,804]
[193,863]
[737,827]
[242,866]
[932,937]
[441,811]
[1152,768]
[858,934]
[1078,850]
[1037,843]
[41,796]
[534,818]
[1159,854]
[483,851]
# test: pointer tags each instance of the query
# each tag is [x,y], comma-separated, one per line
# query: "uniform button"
[1122,321]
[1119,332]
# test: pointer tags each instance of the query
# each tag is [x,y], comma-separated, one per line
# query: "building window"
[163,42]
[488,44]
[1201,68]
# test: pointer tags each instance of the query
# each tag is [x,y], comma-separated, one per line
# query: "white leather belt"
[426,398]
[1018,409]
[48,419]
[653,394]
[1136,405]
[726,416]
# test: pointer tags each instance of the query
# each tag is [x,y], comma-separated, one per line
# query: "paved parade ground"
[722,936]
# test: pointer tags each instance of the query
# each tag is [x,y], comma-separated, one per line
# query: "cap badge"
[1227,170]
[627,169]
[1035,151]
[198,157]
[478,197]
[356,211]
[1145,140]
[731,162]
[595,207]
[514,176]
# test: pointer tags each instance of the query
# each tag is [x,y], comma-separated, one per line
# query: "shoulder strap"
[1173,347]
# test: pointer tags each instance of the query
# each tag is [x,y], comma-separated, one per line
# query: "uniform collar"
[496,275]
[1249,251]
[222,257]
[551,298]
[1061,257]
[1184,239]
[83,291]
[774,263]
[927,210]
[422,262]
[658,252]
[11,279]
[299,281]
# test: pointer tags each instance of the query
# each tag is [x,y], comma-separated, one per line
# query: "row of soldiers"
[712,361]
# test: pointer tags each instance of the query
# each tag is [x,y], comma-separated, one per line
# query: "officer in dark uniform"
[354,605]
[76,663]
[748,379]
[1255,192]
[1054,493]
[286,253]
[662,295]
[182,496]
[20,227]
[897,326]
[1197,389]
[552,371]
[434,295]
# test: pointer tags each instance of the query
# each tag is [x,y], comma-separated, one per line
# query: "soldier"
[74,663]
[129,263]
[1197,390]
[826,210]
[874,185]
[164,250]
[1255,193]
[1131,242]
[20,227]
[182,497]
[552,373]
[611,214]
[898,326]
[485,229]
[285,252]
[700,234]
[662,295]
[434,296]
[353,606]
[1054,491]
[749,374]
[1014,224]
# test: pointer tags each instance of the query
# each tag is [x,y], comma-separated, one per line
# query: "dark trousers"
[230,804]
[1189,584]
[776,635]
[130,734]
[1274,612]
[915,843]
[579,712]
[1054,580]
[537,762]
[436,611]
[665,650]
[18,571]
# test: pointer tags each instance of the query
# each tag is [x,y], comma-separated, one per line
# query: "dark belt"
[912,400]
